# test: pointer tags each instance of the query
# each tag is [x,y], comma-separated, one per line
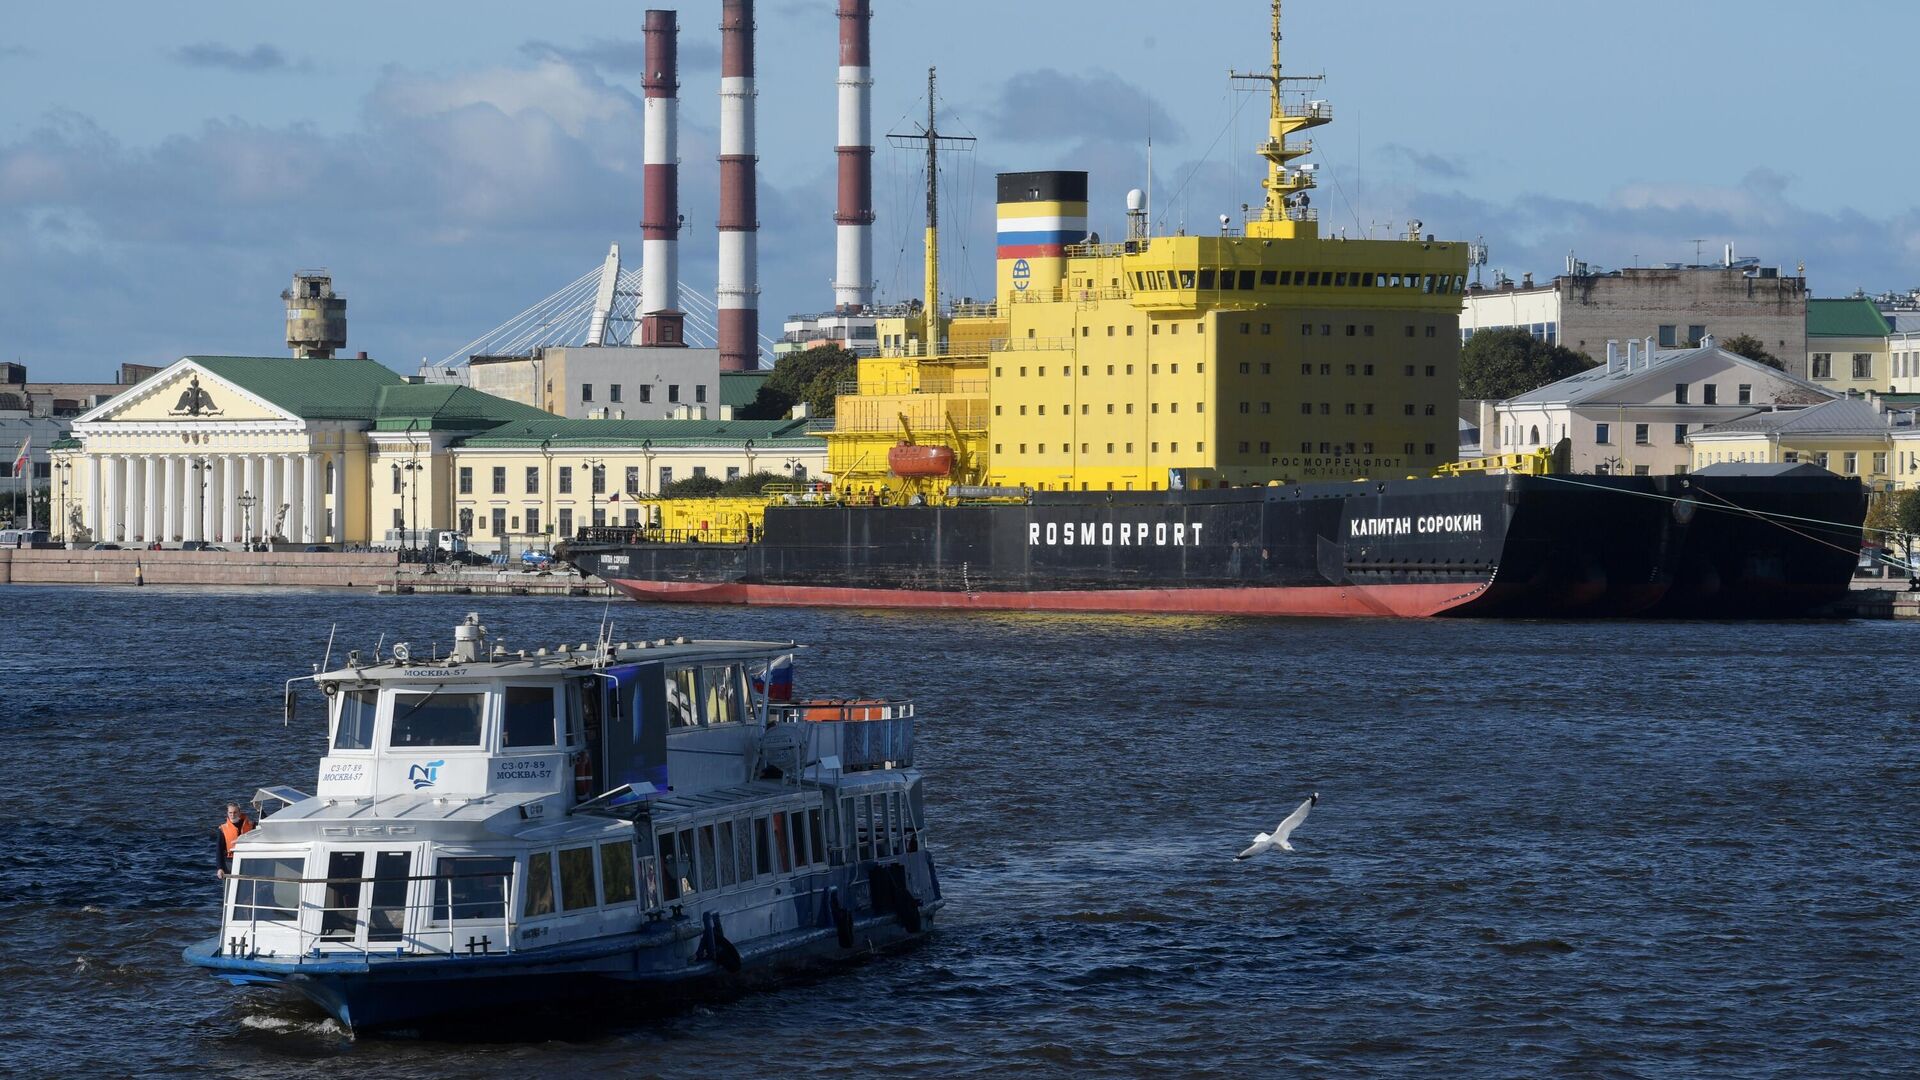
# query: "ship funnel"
[661,320]
[853,220]
[738,293]
[1039,215]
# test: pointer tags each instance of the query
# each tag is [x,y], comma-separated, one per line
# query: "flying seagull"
[1278,838]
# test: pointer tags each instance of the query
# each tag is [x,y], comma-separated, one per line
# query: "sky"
[164,169]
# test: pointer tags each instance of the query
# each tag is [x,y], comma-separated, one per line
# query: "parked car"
[536,560]
[105,546]
[200,545]
[469,558]
[317,547]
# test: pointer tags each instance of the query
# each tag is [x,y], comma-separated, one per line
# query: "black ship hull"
[1724,545]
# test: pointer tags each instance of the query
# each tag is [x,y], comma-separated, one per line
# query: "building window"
[700,393]
[599,476]
[1850,462]
[1820,459]
[1710,394]
[1822,365]
[1880,463]
[1696,334]
[1409,370]
[500,521]
[1246,406]
[400,521]
[533,519]
[1429,410]
[586,391]
[1669,335]
[633,480]
[566,521]
[566,480]
[1862,368]
[1679,393]
[1640,435]
[666,477]
[396,480]
[673,392]
[646,393]
[499,479]
[613,394]
[1600,434]
[533,479]
[1306,408]
[1744,394]
[1679,434]
[1409,409]
[466,480]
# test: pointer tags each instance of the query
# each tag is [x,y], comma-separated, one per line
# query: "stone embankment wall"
[55,566]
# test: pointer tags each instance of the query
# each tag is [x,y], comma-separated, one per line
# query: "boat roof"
[559,660]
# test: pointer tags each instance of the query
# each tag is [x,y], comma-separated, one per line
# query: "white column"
[316,520]
[255,486]
[169,499]
[229,497]
[339,498]
[194,492]
[130,497]
[113,490]
[150,469]
[210,499]
[290,494]
[94,493]
[269,507]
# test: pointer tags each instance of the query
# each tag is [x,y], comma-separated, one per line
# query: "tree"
[693,487]
[809,376]
[1906,521]
[1500,364]
[1753,349]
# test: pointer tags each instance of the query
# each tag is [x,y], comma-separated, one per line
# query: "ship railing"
[1032,344]
[861,734]
[441,924]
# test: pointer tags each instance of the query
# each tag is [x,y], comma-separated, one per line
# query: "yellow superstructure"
[1259,355]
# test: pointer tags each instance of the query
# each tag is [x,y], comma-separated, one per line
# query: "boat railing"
[862,734]
[439,925]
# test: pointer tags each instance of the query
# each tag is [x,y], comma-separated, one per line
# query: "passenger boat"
[492,828]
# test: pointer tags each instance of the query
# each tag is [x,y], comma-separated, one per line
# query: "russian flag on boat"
[777,681]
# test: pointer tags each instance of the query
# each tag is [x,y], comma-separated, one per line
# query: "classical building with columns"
[236,449]
[230,449]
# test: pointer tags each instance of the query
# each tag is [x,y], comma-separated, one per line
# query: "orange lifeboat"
[907,459]
[829,709]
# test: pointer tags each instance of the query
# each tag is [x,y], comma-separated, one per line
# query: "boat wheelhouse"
[496,827]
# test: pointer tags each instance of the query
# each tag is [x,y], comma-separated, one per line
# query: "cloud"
[621,56]
[1051,106]
[213,55]
[1438,166]
[15,52]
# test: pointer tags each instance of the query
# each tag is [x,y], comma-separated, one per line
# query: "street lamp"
[63,471]
[596,479]
[412,469]
[246,501]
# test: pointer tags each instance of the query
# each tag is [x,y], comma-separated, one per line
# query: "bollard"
[139,573]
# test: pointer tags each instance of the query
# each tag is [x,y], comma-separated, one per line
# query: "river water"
[1618,849]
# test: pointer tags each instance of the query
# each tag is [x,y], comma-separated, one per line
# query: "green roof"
[310,389]
[739,389]
[445,407]
[553,432]
[65,442]
[1845,318]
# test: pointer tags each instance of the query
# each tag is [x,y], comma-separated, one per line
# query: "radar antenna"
[1287,212]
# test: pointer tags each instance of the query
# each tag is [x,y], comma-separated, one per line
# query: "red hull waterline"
[1390,601]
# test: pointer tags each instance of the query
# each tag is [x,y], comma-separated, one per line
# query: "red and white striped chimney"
[853,264]
[738,294]
[661,320]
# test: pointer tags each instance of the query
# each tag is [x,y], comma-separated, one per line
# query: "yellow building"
[239,449]
[1855,435]
[1848,348]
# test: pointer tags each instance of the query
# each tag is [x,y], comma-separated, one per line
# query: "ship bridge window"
[1268,277]
[436,719]
[274,900]
[527,718]
[354,728]
[1186,279]
[616,872]
[1246,279]
[1206,279]
[576,878]
[475,887]
[681,699]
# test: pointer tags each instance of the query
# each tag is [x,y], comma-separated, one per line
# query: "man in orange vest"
[236,826]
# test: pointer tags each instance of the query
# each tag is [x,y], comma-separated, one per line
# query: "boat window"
[387,907]
[683,867]
[576,878]
[883,820]
[681,699]
[762,846]
[354,730]
[616,871]
[816,832]
[863,818]
[848,843]
[797,826]
[341,909]
[649,882]
[436,719]
[781,846]
[743,848]
[708,872]
[729,865]
[475,887]
[669,875]
[276,900]
[1206,280]
[527,717]
[723,694]
[539,884]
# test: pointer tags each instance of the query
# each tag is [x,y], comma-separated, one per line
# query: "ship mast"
[930,135]
[1288,210]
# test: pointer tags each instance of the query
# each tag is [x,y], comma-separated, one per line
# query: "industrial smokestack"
[661,320]
[739,287]
[853,266]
